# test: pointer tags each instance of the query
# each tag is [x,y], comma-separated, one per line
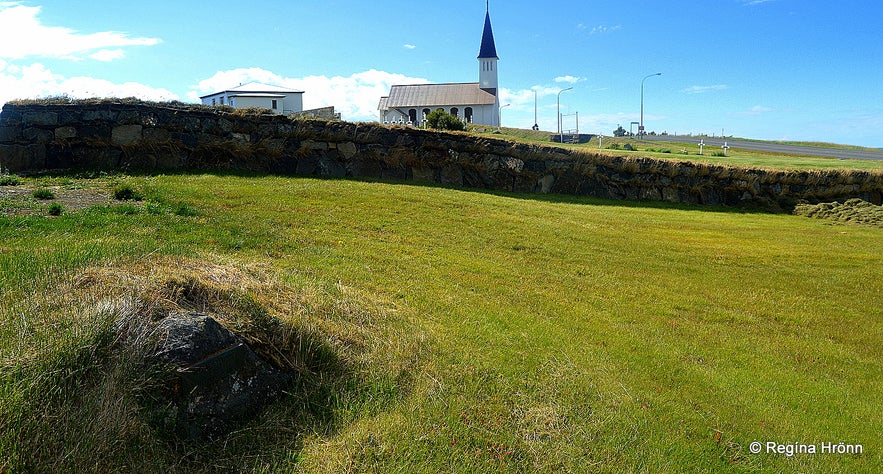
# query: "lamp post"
[641,126]
[536,125]
[560,133]
[501,115]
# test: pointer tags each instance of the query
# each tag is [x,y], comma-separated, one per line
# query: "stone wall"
[143,136]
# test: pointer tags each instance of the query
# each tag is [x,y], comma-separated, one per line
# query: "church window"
[468,114]
[412,115]
[455,112]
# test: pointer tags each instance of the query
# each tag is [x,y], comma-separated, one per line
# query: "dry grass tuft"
[76,396]
[853,211]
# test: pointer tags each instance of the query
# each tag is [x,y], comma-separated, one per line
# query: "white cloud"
[410,46]
[106,55]
[703,89]
[23,35]
[755,2]
[355,97]
[36,80]
[600,29]
[756,110]
[569,79]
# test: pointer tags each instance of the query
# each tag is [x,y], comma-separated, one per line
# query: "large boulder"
[219,381]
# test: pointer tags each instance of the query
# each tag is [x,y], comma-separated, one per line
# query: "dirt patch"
[20,200]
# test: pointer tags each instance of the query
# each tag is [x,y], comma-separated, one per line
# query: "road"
[801,150]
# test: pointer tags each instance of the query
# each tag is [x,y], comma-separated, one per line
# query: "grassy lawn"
[689,151]
[479,332]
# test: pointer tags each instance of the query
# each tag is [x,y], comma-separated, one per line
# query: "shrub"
[9,180]
[126,210]
[155,208]
[126,192]
[44,194]
[441,120]
[185,210]
[55,209]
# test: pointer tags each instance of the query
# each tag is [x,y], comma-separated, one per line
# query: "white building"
[278,99]
[472,102]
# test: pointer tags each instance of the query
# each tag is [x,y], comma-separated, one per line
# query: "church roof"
[256,88]
[488,47]
[425,95]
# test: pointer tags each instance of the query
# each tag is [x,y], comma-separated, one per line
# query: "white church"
[471,102]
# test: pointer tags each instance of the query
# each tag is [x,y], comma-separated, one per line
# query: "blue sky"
[768,69]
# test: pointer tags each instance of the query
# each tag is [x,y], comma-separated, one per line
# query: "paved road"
[715,143]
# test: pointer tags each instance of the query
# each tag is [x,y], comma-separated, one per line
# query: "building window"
[455,112]
[222,100]
[275,104]
[214,101]
[412,116]
[468,113]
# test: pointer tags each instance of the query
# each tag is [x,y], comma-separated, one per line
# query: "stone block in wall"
[65,133]
[394,172]
[186,139]
[17,158]
[347,150]
[307,165]
[10,134]
[171,159]
[40,118]
[37,135]
[128,117]
[451,175]
[10,116]
[651,193]
[424,174]
[100,132]
[102,115]
[330,167]
[125,134]
[156,135]
[544,184]
[314,145]
[364,168]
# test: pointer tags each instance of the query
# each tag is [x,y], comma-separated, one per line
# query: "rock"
[220,380]
[65,133]
[126,134]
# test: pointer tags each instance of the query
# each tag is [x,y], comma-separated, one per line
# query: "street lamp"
[536,125]
[641,126]
[560,133]
[501,116]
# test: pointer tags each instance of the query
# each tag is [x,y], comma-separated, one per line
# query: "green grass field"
[690,152]
[452,330]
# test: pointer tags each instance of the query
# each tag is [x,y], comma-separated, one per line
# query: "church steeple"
[488,48]
[487,56]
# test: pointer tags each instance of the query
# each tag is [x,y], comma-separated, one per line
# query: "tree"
[441,120]
[619,132]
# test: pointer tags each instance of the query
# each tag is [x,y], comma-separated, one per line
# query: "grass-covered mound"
[443,330]
[853,211]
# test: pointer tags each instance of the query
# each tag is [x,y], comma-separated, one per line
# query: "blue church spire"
[488,48]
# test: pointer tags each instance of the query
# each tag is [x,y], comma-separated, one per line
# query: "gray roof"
[256,88]
[423,95]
